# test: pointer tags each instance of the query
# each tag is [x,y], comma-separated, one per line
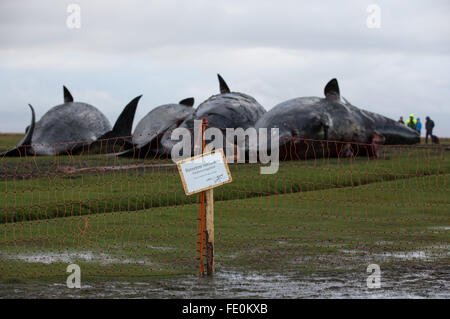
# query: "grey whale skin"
[71,126]
[305,123]
[153,131]
[225,110]
[394,132]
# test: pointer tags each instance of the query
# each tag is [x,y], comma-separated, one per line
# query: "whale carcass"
[67,127]
[153,131]
[315,127]
[228,109]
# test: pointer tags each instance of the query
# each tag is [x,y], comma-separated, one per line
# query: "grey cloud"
[138,25]
[274,50]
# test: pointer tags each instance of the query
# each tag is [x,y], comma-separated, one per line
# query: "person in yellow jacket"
[411,123]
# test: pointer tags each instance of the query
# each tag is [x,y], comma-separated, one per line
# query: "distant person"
[418,125]
[429,125]
[411,123]
[401,120]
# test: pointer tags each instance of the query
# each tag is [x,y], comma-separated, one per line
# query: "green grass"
[442,140]
[8,141]
[35,190]
[290,232]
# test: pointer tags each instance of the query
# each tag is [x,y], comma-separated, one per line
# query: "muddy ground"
[398,282]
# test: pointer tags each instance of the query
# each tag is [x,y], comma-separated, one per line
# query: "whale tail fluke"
[119,138]
[124,123]
[23,147]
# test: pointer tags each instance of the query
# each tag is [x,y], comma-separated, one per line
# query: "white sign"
[203,172]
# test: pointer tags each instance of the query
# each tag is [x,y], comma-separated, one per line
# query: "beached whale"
[393,132]
[225,110]
[71,126]
[316,127]
[153,130]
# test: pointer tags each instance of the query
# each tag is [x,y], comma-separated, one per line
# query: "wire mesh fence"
[127,216]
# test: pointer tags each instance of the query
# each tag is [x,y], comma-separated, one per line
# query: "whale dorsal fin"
[67,96]
[124,123]
[223,86]
[188,102]
[332,90]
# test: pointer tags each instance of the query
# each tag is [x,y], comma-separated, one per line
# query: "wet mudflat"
[417,282]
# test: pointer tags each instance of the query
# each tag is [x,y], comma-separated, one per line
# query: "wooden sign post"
[203,173]
[209,219]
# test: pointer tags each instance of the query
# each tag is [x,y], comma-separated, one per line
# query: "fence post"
[210,268]
[209,213]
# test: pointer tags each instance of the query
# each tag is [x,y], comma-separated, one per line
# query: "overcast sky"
[168,50]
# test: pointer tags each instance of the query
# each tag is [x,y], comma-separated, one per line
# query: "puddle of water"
[71,257]
[160,247]
[439,228]
[410,255]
